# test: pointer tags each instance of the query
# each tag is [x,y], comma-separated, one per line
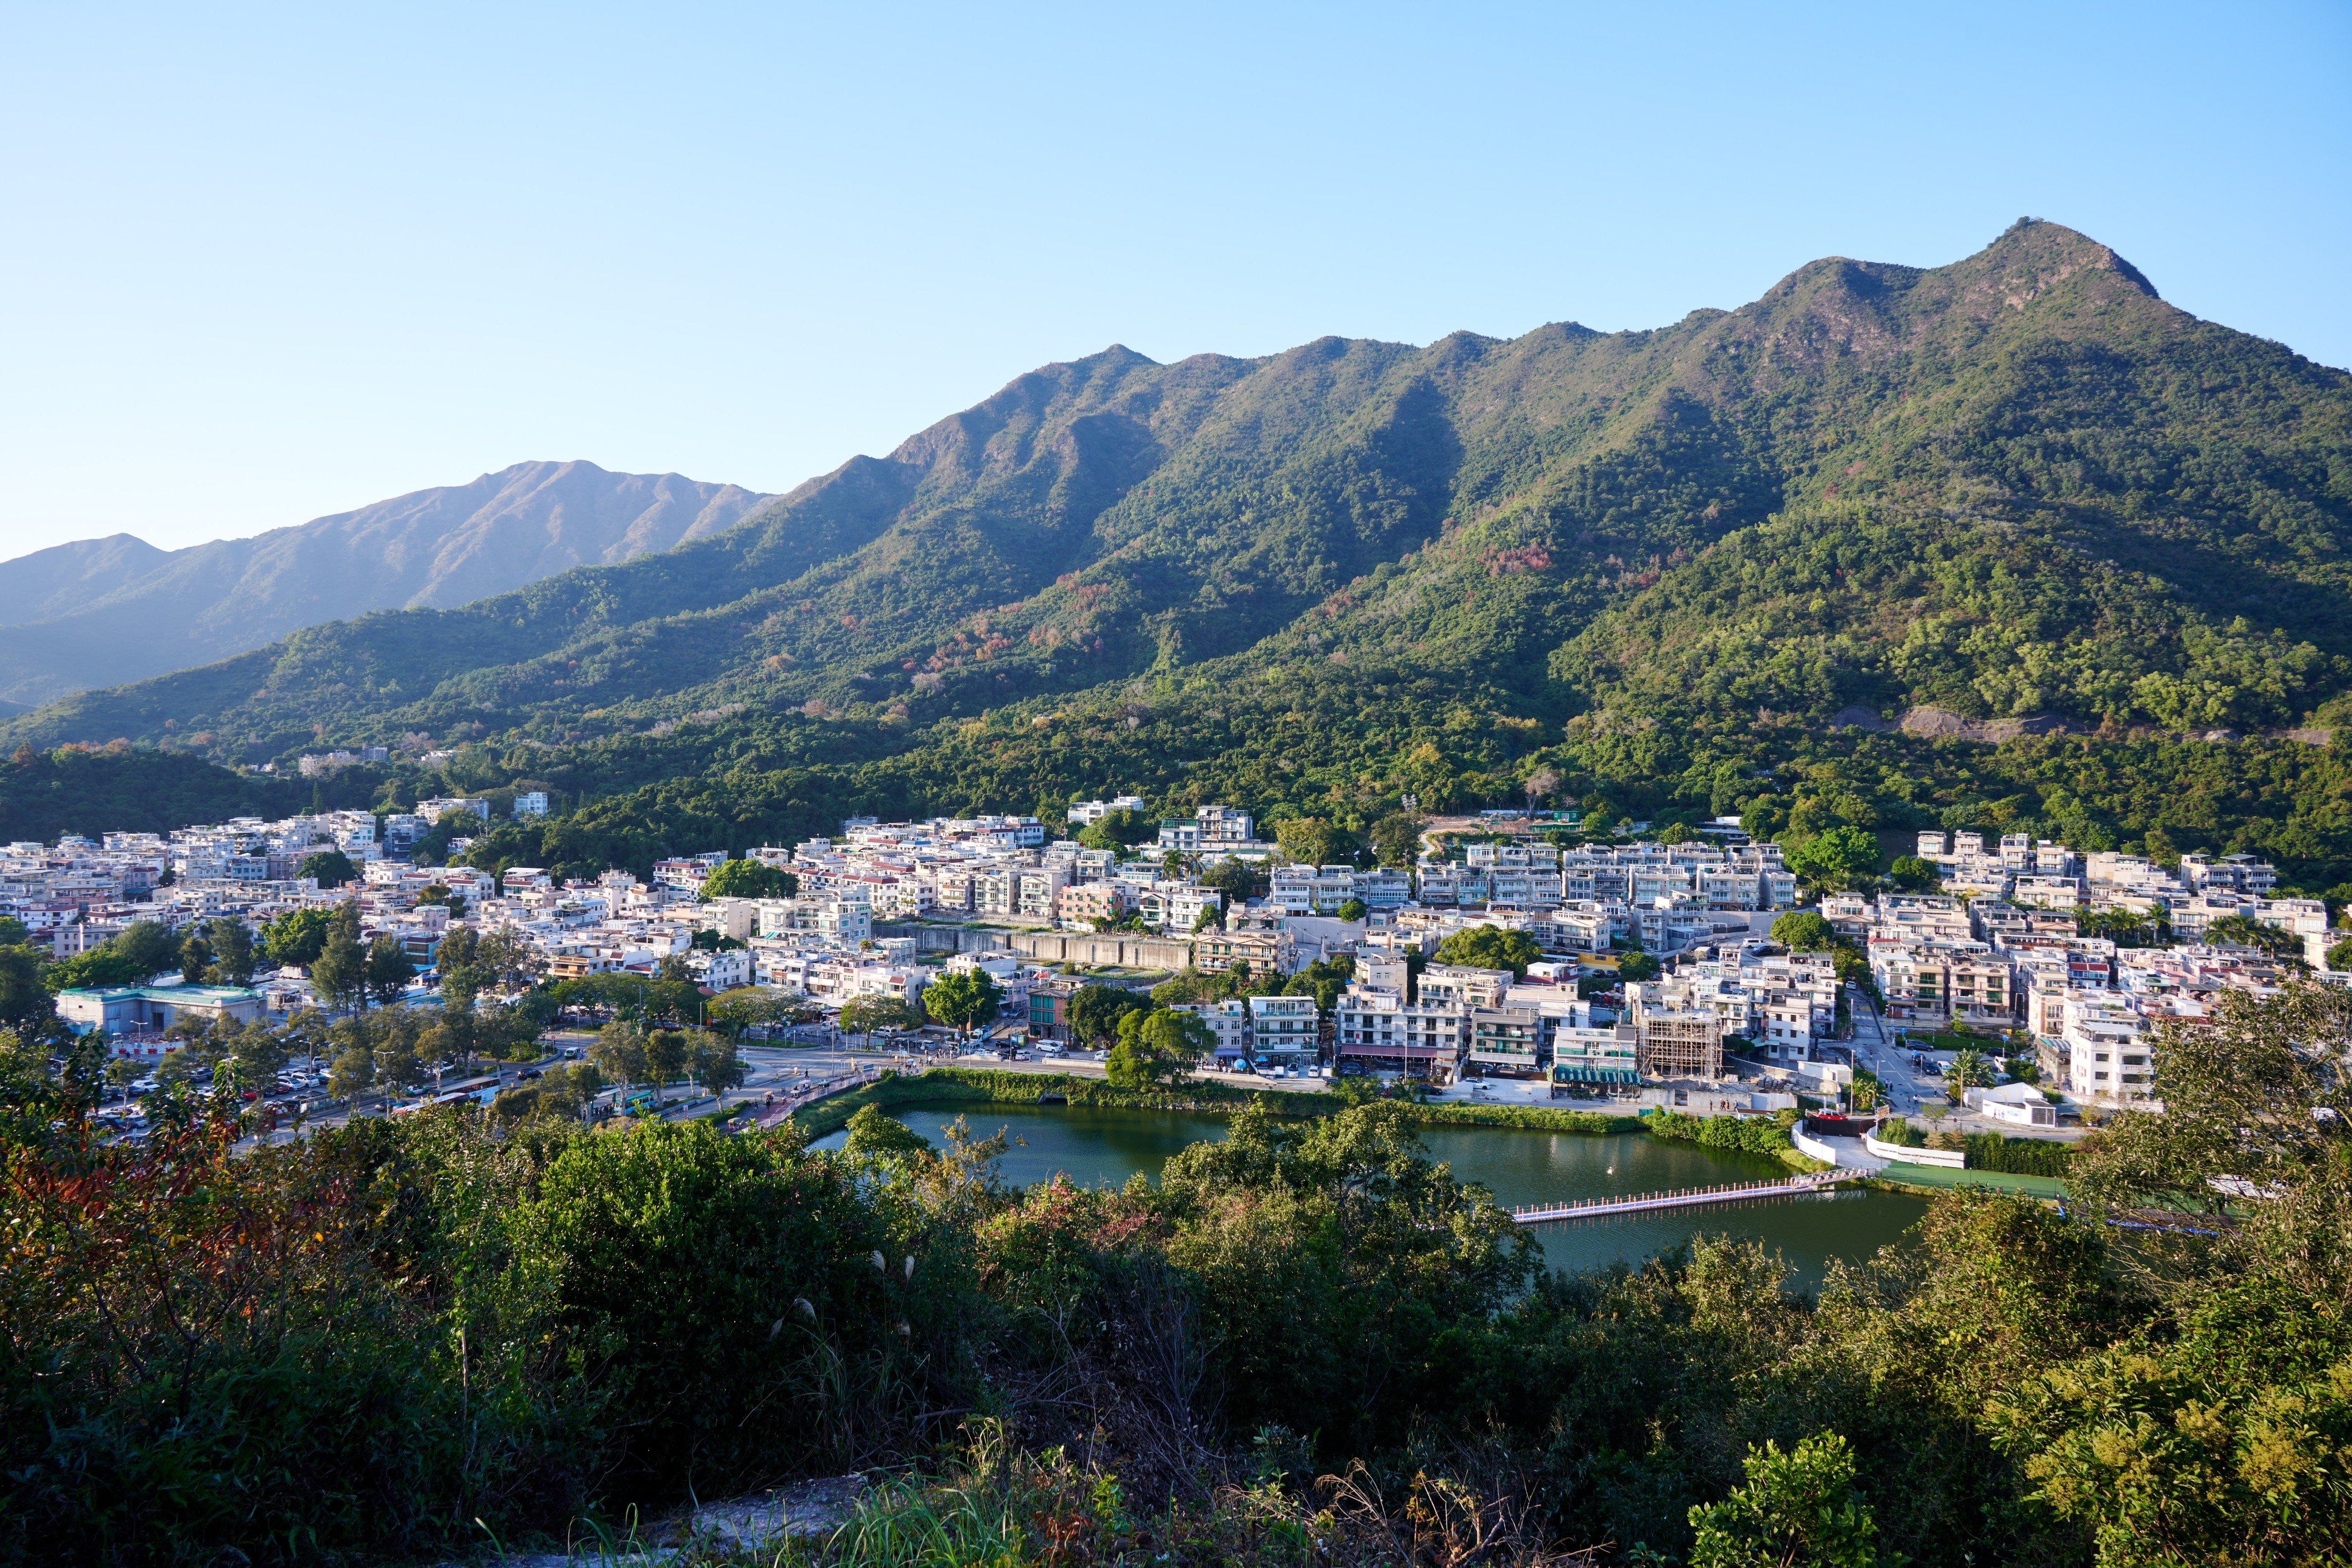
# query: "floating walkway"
[1682,1198]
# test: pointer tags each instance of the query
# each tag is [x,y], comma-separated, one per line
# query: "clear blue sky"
[260,265]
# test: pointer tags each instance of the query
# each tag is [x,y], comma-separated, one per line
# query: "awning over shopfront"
[1607,1077]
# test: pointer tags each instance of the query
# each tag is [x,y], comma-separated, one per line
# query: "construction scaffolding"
[1679,1045]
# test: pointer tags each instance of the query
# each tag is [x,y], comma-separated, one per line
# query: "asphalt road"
[772,1068]
[1874,1048]
[1908,1090]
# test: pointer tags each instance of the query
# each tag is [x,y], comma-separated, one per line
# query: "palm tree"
[1970,1069]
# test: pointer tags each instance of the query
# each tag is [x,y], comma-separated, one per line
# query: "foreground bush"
[1309,1339]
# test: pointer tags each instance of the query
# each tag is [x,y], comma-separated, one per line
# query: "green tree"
[1094,1012]
[561,1094]
[1313,841]
[253,1058]
[667,1056]
[195,957]
[389,970]
[296,937]
[1120,829]
[400,1068]
[458,961]
[864,1015]
[1970,1070]
[1396,838]
[1490,947]
[121,1072]
[962,999]
[2339,957]
[2213,1432]
[339,974]
[83,1073]
[1916,875]
[308,1033]
[748,1005]
[231,940]
[2256,1096]
[1354,909]
[352,1074]
[1157,1049]
[147,946]
[101,967]
[1324,979]
[1231,877]
[873,1135]
[2242,931]
[1638,966]
[620,1052]
[439,893]
[1804,930]
[332,867]
[507,961]
[1798,1510]
[715,1063]
[1837,857]
[749,878]
[26,1007]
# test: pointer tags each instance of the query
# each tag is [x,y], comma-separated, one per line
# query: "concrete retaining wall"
[1108,950]
[946,938]
[1844,1152]
[1813,1148]
[1949,1158]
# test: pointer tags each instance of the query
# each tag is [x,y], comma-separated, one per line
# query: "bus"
[437,1101]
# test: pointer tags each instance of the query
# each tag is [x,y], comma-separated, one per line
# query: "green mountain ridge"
[2018,486]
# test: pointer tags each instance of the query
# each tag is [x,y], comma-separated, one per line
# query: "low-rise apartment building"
[1504,1042]
[1284,1030]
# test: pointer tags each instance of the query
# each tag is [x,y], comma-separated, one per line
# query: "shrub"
[1895,1129]
[2019,1156]
[1738,1133]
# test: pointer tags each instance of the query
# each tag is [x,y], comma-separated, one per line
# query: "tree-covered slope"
[2018,485]
[2022,484]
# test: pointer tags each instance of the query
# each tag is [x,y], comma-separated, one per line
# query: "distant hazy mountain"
[100,612]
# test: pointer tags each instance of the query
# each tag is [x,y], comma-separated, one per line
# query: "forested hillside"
[1681,570]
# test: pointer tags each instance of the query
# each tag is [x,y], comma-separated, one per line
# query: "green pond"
[1093,1147]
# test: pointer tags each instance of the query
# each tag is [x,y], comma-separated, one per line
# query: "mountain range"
[2018,492]
[100,612]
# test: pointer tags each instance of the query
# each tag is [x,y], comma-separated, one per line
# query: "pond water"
[1099,1147]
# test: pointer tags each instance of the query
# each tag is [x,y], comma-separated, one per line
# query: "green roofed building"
[151,1009]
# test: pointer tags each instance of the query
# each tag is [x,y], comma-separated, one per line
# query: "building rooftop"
[164,992]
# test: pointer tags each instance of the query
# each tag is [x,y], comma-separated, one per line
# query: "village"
[1688,970]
